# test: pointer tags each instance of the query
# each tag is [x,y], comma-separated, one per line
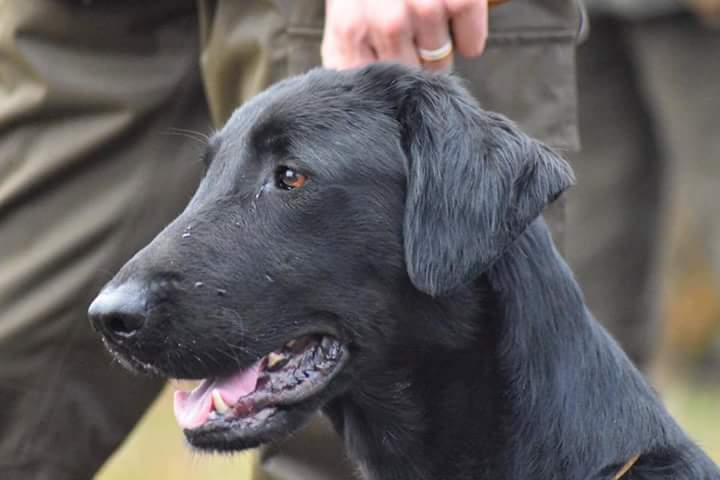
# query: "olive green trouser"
[648,102]
[95,100]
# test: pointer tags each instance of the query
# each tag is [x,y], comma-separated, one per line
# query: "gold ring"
[437,54]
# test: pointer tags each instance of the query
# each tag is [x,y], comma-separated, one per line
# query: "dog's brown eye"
[289,178]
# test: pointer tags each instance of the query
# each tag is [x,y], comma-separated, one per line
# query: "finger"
[430,24]
[337,57]
[391,33]
[469,21]
[345,41]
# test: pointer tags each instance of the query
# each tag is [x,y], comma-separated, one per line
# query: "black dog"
[381,236]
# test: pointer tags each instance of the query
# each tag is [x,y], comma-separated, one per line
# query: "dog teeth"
[220,405]
[334,351]
[264,414]
[326,343]
[274,358]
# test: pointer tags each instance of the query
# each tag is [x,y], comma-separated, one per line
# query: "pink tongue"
[193,408]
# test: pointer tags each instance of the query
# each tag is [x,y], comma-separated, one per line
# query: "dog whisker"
[190,134]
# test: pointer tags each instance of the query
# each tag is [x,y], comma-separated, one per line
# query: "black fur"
[417,241]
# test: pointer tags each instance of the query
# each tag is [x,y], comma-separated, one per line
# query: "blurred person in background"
[93,97]
[649,97]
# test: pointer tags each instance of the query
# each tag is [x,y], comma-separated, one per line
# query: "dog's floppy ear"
[475,182]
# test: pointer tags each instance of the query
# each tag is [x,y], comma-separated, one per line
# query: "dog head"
[336,207]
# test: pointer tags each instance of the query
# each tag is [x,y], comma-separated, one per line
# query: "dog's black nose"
[118,312]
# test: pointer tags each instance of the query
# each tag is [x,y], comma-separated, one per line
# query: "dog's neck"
[529,380]
[401,423]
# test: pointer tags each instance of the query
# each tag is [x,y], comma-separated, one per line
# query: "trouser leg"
[614,211]
[678,65]
[88,174]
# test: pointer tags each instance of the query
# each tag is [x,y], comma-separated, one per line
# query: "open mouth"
[264,401]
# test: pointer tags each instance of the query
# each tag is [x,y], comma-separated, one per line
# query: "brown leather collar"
[626,468]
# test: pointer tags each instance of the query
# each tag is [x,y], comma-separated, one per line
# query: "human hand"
[358,32]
